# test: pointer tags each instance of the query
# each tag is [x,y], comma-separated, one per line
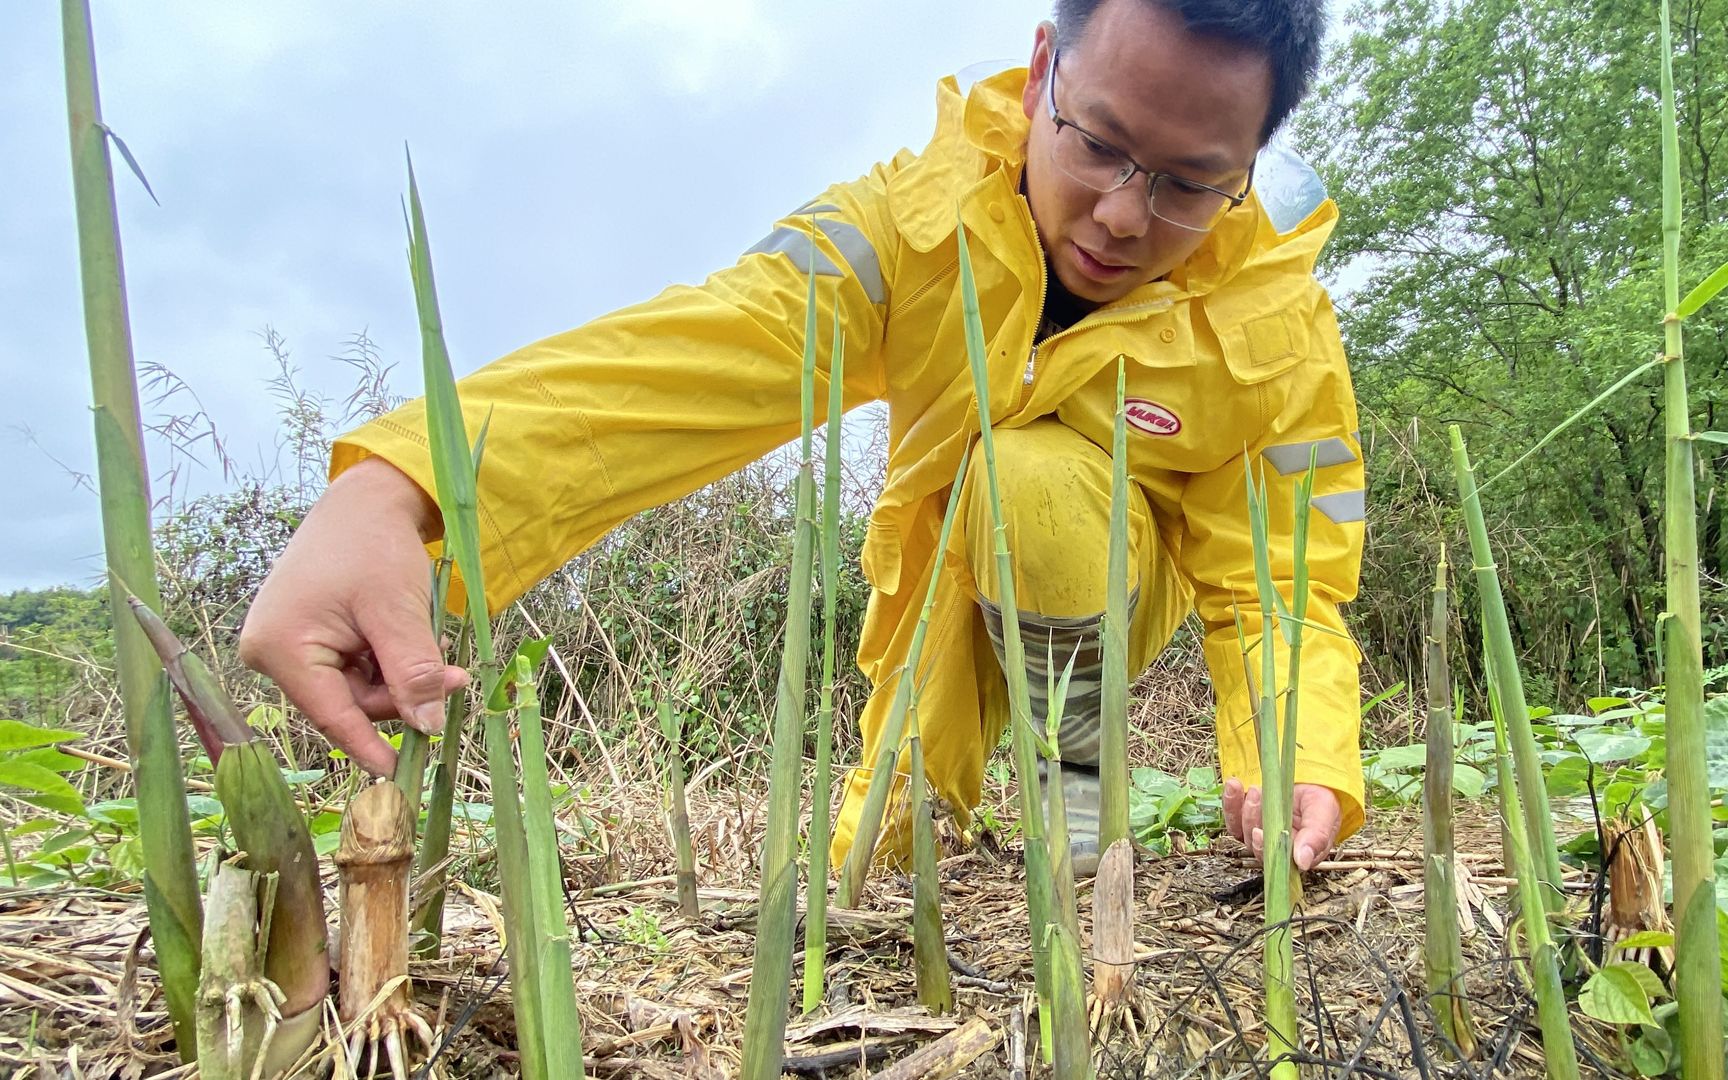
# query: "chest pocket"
[1264,346]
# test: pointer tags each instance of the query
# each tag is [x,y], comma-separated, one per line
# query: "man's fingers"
[1317,819]
[1234,793]
[412,667]
[372,697]
[323,694]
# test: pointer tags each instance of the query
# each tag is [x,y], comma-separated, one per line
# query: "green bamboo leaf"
[1615,995]
[132,162]
[17,735]
[1712,436]
[44,787]
[1647,939]
[1704,293]
[1625,380]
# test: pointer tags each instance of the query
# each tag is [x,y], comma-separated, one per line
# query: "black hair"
[1288,32]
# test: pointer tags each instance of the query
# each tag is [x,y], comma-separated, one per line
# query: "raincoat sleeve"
[1318,420]
[640,407]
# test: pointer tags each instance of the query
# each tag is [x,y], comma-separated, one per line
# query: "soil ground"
[663,996]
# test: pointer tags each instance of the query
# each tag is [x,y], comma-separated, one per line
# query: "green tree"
[1496,167]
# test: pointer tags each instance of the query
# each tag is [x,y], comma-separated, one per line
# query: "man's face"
[1169,99]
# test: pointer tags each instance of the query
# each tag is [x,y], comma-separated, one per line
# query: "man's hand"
[343,623]
[1315,818]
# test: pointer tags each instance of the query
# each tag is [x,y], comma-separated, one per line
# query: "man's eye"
[1186,187]
[1096,148]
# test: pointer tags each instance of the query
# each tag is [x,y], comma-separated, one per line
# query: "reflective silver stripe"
[853,245]
[811,208]
[1344,507]
[856,250]
[799,247]
[1293,457]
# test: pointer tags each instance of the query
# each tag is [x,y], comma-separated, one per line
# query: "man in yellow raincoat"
[1108,195]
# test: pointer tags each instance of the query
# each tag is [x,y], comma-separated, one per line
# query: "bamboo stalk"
[770,973]
[1277,764]
[688,902]
[1503,670]
[270,832]
[454,474]
[237,1011]
[545,870]
[1063,1025]
[1025,755]
[1113,887]
[869,829]
[374,859]
[1443,950]
[929,944]
[170,879]
[1559,1053]
[1696,977]
[822,791]
[1113,690]
[427,924]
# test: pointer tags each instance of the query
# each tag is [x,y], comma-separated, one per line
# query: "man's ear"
[1043,51]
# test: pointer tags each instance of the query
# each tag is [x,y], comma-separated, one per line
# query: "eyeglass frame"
[1136,168]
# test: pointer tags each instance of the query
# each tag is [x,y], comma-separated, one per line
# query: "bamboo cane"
[170,880]
[929,944]
[770,973]
[688,901]
[1025,756]
[1559,1053]
[548,1029]
[1063,1025]
[1503,669]
[1443,951]
[427,924]
[822,791]
[270,832]
[1277,764]
[864,838]
[1696,979]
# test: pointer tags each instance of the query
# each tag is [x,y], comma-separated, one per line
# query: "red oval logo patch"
[1151,417]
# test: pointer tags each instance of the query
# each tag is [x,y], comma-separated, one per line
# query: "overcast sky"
[573,158]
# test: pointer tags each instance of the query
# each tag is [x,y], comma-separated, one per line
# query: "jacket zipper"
[1119,315]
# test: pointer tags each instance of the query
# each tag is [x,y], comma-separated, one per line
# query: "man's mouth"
[1097,269]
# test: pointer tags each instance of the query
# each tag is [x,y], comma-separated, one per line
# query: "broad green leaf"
[1569,776]
[1712,436]
[1704,293]
[1413,756]
[1652,1052]
[1467,780]
[43,787]
[1598,704]
[1605,746]
[1615,995]
[264,718]
[17,735]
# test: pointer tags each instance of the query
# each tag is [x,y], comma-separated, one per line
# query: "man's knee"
[1054,486]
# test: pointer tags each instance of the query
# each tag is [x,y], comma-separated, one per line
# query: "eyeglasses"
[1089,160]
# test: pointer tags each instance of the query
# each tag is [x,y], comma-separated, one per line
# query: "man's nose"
[1125,212]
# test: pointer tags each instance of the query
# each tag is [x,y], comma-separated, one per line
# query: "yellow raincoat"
[1237,350]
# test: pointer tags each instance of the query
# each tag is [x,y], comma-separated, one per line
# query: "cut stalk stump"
[1113,926]
[375,860]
